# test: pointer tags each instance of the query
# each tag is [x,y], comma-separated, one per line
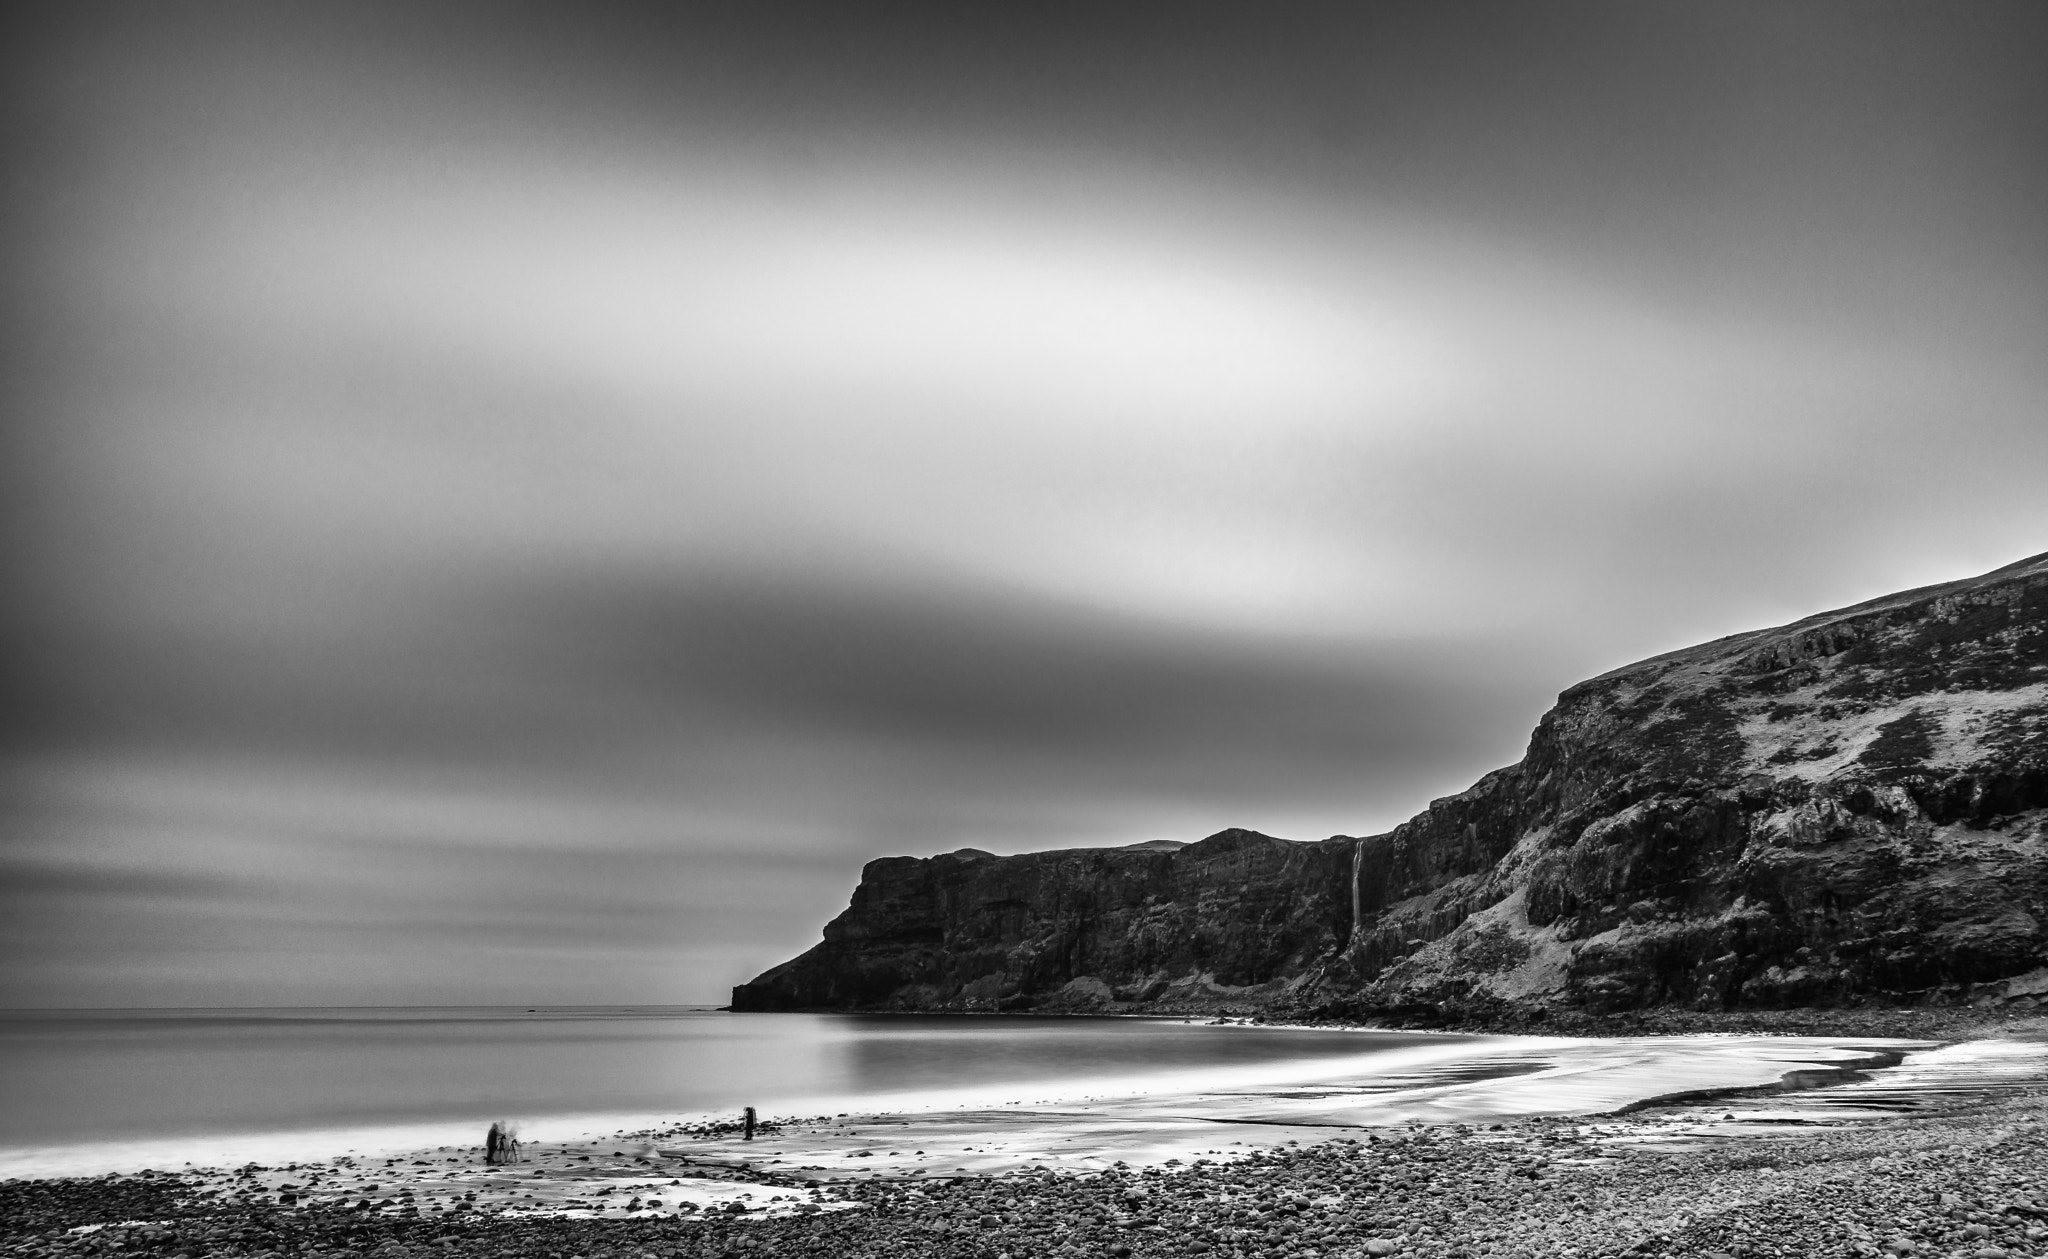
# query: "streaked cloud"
[550,492]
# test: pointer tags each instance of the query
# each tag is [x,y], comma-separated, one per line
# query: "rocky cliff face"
[1234,917]
[1850,808]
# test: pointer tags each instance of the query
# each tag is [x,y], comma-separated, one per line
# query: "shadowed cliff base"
[1847,811]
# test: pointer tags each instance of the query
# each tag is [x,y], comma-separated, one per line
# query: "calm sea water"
[135,1075]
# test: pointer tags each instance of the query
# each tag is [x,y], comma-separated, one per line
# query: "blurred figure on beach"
[501,1144]
[748,1135]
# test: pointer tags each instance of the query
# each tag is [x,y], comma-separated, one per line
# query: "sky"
[517,503]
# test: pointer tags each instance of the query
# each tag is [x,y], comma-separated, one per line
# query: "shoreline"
[823,1184]
[1924,1022]
[1426,1076]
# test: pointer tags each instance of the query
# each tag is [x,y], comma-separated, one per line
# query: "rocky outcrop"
[1852,808]
[1237,917]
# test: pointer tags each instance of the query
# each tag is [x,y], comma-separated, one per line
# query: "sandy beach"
[1515,1146]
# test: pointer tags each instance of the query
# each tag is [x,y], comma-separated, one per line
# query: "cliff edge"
[1850,809]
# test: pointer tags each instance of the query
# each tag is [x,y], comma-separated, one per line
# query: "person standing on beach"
[494,1144]
[748,1135]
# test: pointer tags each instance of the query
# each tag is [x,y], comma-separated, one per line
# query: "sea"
[84,1092]
[87,1090]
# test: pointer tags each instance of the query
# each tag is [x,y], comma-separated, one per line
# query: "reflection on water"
[895,1054]
[72,1076]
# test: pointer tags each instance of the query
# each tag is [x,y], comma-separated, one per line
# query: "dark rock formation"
[1852,808]
[1231,917]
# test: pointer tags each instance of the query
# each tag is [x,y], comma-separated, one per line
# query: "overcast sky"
[517,504]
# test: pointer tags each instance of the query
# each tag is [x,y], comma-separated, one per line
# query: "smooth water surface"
[128,1075]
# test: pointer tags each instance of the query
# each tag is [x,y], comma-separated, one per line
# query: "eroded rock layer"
[1233,917]
[1851,808]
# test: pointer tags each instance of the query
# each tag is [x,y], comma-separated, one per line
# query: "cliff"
[1235,916]
[1849,809]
